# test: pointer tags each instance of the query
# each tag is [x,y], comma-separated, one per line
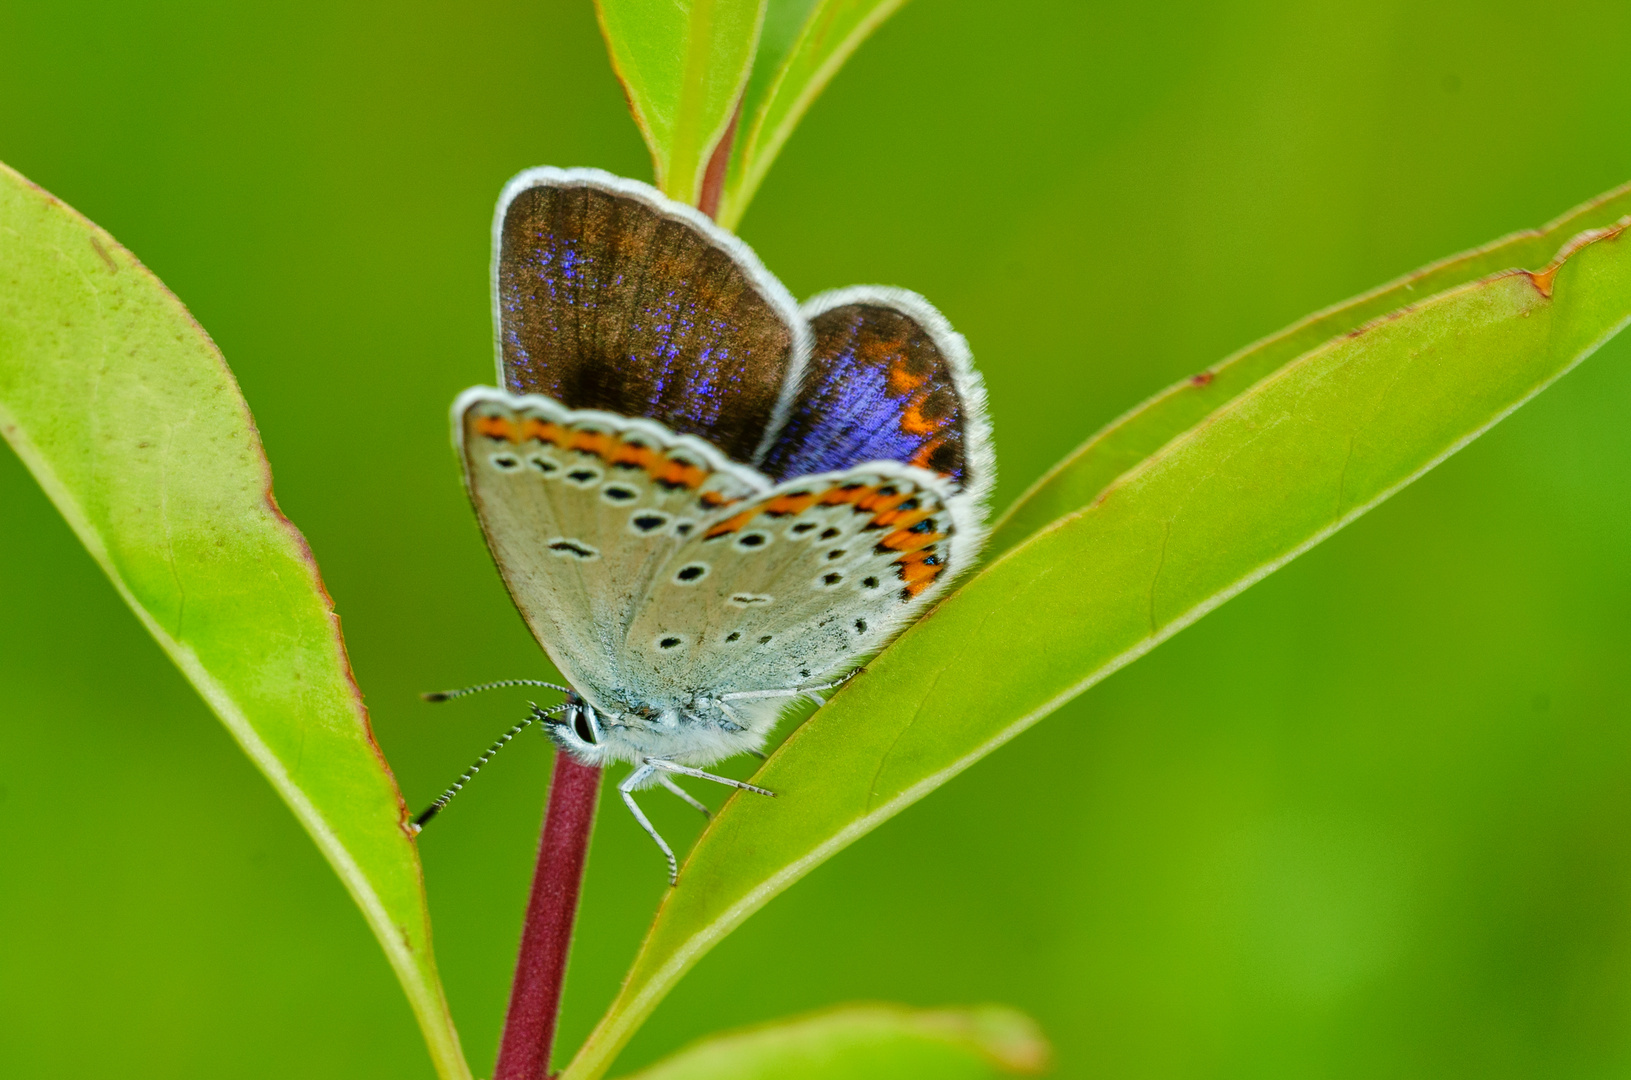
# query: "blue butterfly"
[707,500]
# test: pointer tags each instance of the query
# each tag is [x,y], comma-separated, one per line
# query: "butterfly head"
[581,732]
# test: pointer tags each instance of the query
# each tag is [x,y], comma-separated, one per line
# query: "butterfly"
[707,501]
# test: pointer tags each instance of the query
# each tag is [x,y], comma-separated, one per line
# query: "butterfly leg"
[686,770]
[742,695]
[627,788]
[685,796]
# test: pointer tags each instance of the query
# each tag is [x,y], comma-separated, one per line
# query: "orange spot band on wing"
[912,420]
[597,443]
[926,452]
[544,431]
[878,500]
[713,500]
[900,519]
[902,381]
[678,474]
[635,454]
[848,493]
[795,503]
[730,524]
[918,572]
[913,573]
[496,427]
[907,540]
[917,587]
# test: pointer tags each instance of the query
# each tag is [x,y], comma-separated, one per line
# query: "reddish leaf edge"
[109,248]
[1002,540]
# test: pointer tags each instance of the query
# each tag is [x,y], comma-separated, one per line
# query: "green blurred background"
[1373,818]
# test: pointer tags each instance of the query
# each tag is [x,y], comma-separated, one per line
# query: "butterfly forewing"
[792,586]
[581,511]
[611,297]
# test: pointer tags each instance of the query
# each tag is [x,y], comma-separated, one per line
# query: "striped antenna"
[458,785]
[448,695]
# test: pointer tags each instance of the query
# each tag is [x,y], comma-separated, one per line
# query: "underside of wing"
[793,586]
[581,510]
[610,296]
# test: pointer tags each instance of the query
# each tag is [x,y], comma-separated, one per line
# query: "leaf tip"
[1006,1037]
[1543,280]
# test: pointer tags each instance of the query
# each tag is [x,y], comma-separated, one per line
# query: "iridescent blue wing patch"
[887,380]
[611,297]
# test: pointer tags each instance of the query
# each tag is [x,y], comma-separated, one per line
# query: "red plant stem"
[569,818]
[535,996]
[713,177]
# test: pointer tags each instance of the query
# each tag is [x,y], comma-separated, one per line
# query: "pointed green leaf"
[790,73]
[683,64]
[1279,468]
[1089,469]
[125,412]
[868,1042]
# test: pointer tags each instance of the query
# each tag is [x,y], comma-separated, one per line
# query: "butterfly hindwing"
[581,510]
[888,379]
[790,587]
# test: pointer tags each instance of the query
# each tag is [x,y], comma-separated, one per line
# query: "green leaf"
[125,412]
[1261,480]
[867,1042]
[792,70]
[1089,469]
[683,64]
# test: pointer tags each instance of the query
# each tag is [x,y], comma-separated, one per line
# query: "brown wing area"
[877,388]
[607,303]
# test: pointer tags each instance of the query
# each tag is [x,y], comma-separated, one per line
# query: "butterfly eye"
[582,728]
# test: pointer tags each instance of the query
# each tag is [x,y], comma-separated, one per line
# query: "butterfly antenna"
[458,785]
[448,695]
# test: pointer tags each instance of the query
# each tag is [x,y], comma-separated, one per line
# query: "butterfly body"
[706,500]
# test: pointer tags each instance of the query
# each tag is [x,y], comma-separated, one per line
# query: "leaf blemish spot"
[103,252]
